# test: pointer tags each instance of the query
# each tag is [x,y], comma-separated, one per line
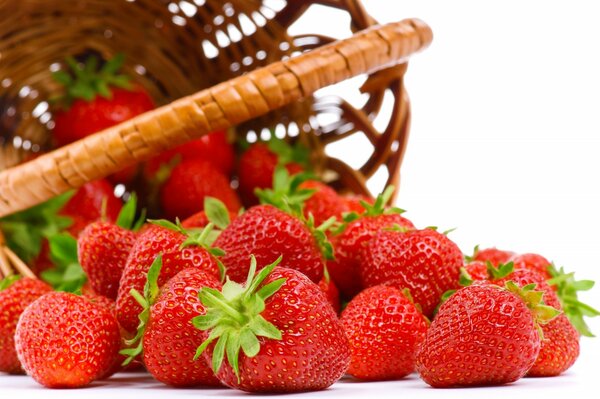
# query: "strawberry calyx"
[567,288]
[67,274]
[86,80]
[216,212]
[499,272]
[471,258]
[233,317]
[126,218]
[8,281]
[146,300]
[534,300]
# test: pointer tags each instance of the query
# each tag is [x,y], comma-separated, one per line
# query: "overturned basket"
[183,53]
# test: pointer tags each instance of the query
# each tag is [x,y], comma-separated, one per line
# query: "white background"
[505,146]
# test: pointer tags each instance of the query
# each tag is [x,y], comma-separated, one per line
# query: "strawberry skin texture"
[324,203]
[103,249]
[352,203]
[534,262]
[424,261]
[384,329]
[493,255]
[199,220]
[483,335]
[523,277]
[313,352]
[477,270]
[170,340]
[255,170]
[267,232]
[84,118]
[344,270]
[331,293]
[66,341]
[13,302]
[190,181]
[153,241]
[559,350]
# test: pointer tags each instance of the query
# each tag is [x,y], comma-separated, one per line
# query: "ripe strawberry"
[66,341]
[384,328]
[477,270]
[279,333]
[257,166]
[170,340]
[523,277]
[96,99]
[424,261]
[353,203]
[213,147]
[331,292]
[323,204]
[344,270]
[483,335]
[267,233]
[559,350]
[534,262]
[176,256]
[493,255]
[190,182]
[15,296]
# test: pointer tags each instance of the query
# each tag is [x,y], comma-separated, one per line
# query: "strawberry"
[353,203]
[493,255]
[190,182]
[477,270]
[15,296]
[384,328]
[95,99]
[276,333]
[532,261]
[483,335]
[331,292]
[344,270]
[424,261]
[323,203]
[213,147]
[66,341]
[267,233]
[178,253]
[103,248]
[257,166]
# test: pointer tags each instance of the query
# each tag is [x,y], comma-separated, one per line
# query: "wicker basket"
[211,65]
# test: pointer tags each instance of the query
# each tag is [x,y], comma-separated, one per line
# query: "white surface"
[505,146]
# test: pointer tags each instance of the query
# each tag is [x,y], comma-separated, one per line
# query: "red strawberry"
[483,335]
[532,261]
[493,255]
[424,261]
[323,204]
[96,99]
[331,292]
[66,341]
[190,182]
[14,298]
[267,233]
[353,203]
[279,333]
[384,328]
[559,350]
[477,270]
[170,340]
[523,277]
[153,241]
[213,147]
[257,166]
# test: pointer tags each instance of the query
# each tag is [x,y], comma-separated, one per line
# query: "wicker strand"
[224,105]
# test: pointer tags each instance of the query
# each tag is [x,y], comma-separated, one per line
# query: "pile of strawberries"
[290,294]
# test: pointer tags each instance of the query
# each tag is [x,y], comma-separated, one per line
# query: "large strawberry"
[258,163]
[15,296]
[95,99]
[384,328]
[166,337]
[189,183]
[267,233]
[483,335]
[277,333]
[66,341]
[344,270]
[178,252]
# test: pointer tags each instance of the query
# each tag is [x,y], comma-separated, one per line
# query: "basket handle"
[219,107]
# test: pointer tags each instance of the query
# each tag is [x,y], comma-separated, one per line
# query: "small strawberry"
[353,203]
[483,335]
[95,99]
[15,295]
[66,341]
[178,252]
[190,182]
[532,261]
[384,328]
[103,248]
[323,204]
[344,270]
[424,261]
[277,333]
[477,270]
[493,255]
[267,233]
[258,163]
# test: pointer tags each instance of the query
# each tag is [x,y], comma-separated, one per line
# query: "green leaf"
[269,289]
[8,281]
[465,278]
[151,289]
[219,352]
[233,352]
[216,212]
[67,274]
[263,328]
[127,215]
[249,343]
